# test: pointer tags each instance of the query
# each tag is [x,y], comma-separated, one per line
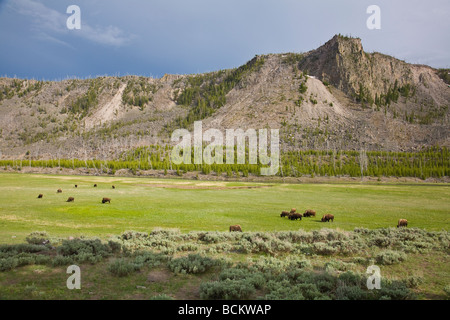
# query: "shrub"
[345,292]
[395,290]
[84,247]
[226,290]
[122,267]
[447,291]
[149,259]
[8,264]
[62,261]
[38,238]
[389,257]
[193,263]
[413,281]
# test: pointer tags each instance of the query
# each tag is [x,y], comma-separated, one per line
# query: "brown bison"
[293,210]
[70,199]
[59,191]
[105,200]
[95,185]
[113,187]
[402,223]
[235,228]
[284,214]
[295,216]
[40,196]
[309,213]
[327,218]
[76,186]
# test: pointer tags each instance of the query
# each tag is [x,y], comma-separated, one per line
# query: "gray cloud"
[50,24]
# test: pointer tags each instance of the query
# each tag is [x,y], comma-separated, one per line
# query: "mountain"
[334,97]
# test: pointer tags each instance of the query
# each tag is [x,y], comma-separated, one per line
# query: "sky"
[155,37]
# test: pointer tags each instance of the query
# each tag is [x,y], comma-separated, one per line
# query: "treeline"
[433,162]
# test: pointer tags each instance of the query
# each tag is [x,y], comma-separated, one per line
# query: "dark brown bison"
[309,213]
[402,223]
[113,187]
[284,214]
[59,191]
[40,196]
[235,228]
[95,185]
[105,200]
[293,210]
[295,216]
[70,199]
[76,186]
[327,218]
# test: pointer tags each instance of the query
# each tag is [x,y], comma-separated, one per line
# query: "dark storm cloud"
[188,36]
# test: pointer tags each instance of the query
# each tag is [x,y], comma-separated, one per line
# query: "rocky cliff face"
[334,97]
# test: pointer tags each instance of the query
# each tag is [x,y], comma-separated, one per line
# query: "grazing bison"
[235,228]
[95,185]
[76,186]
[113,187]
[293,210]
[295,216]
[40,196]
[284,214]
[105,200]
[327,218]
[59,191]
[402,223]
[70,199]
[309,213]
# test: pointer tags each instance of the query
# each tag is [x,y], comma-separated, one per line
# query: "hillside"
[336,97]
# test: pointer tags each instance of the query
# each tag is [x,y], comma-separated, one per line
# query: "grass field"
[274,258]
[143,204]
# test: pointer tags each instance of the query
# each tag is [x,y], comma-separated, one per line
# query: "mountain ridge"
[334,97]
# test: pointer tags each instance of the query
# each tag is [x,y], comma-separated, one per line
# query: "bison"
[402,223]
[295,216]
[105,200]
[327,218]
[309,213]
[113,187]
[40,196]
[235,228]
[76,186]
[95,185]
[293,210]
[70,199]
[59,191]
[284,214]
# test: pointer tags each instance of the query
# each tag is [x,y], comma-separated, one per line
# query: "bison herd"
[72,199]
[294,215]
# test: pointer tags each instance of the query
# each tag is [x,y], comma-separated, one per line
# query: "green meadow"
[144,204]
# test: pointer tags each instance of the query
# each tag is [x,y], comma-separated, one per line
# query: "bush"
[149,259]
[62,261]
[193,263]
[226,290]
[447,291]
[389,257]
[122,267]
[84,247]
[38,238]
[395,290]
[350,292]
